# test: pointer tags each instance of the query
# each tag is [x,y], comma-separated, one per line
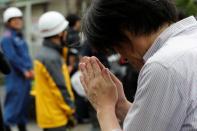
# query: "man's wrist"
[124,105]
[107,118]
[104,109]
[122,109]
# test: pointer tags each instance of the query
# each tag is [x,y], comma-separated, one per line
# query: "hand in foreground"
[122,104]
[98,84]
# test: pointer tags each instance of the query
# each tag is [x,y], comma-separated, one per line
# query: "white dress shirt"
[166,98]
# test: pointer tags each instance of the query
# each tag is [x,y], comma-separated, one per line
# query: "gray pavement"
[34,127]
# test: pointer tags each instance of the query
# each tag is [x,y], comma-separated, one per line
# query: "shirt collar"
[15,33]
[171,31]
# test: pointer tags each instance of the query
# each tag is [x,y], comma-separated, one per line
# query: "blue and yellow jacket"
[53,93]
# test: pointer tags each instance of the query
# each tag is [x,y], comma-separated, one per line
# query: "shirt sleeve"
[158,104]
[10,53]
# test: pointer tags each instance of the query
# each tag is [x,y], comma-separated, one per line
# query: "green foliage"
[188,6]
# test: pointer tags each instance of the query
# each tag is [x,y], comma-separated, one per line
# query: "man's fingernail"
[107,70]
[82,66]
[87,58]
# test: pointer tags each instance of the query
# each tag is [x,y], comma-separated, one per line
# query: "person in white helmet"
[17,83]
[53,93]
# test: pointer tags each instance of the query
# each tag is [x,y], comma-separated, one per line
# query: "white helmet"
[52,23]
[11,12]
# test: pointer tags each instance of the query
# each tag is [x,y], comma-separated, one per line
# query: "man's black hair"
[72,19]
[106,20]
[181,14]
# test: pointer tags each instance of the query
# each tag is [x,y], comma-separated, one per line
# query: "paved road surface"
[33,127]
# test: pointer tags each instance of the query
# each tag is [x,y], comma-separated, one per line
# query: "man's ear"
[66,33]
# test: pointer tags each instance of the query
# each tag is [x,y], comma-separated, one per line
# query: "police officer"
[18,81]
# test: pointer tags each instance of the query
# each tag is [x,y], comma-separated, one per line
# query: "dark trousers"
[62,128]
